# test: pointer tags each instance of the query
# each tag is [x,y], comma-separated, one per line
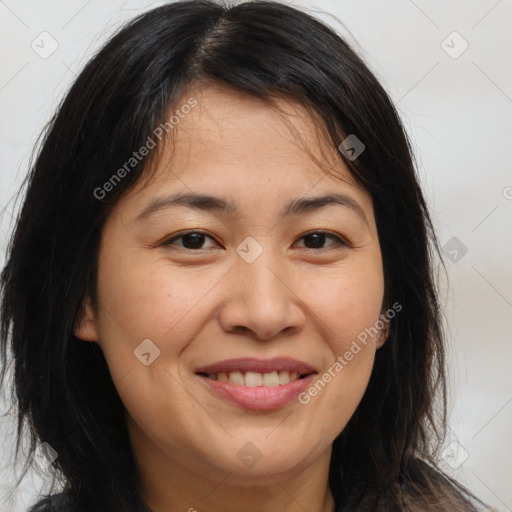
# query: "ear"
[85,327]
[384,333]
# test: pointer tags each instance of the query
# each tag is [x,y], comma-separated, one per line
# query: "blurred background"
[447,66]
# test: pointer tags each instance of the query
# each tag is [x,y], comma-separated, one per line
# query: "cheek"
[141,300]
[349,304]
[348,307]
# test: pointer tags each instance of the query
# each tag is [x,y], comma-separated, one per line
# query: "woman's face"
[250,283]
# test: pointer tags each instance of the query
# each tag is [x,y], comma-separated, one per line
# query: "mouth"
[257,384]
[252,372]
[254,379]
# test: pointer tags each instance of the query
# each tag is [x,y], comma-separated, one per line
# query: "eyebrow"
[211,203]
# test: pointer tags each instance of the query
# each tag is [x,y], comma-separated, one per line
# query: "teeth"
[270,380]
[254,379]
[236,378]
[284,377]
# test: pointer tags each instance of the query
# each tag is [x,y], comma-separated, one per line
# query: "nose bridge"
[260,298]
[258,269]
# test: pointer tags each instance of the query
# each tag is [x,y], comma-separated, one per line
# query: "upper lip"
[252,364]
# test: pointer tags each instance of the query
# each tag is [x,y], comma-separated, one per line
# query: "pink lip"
[251,364]
[259,397]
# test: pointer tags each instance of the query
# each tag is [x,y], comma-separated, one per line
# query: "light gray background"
[459,114]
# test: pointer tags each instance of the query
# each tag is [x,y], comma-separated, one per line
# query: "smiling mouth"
[255,379]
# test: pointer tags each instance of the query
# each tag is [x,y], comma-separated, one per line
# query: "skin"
[203,305]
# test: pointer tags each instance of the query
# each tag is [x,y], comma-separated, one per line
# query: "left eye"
[318,238]
[195,239]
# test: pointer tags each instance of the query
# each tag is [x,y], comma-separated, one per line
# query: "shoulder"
[54,503]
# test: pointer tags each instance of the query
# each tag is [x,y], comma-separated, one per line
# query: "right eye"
[191,240]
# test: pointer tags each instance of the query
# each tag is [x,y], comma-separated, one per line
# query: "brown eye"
[191,240]
[316,239]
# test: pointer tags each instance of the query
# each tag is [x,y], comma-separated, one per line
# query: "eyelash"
[340,241]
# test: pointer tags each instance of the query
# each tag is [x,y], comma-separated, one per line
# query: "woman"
[181,339]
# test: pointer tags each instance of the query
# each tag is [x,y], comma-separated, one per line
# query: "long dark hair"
[385,457]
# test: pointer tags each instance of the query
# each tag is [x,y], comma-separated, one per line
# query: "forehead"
[255,156]
[233,133]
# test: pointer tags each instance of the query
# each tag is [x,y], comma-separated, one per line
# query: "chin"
[250,465]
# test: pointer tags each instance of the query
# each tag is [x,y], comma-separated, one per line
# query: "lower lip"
[259,397]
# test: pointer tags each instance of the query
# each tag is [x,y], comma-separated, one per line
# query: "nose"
[263,300]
